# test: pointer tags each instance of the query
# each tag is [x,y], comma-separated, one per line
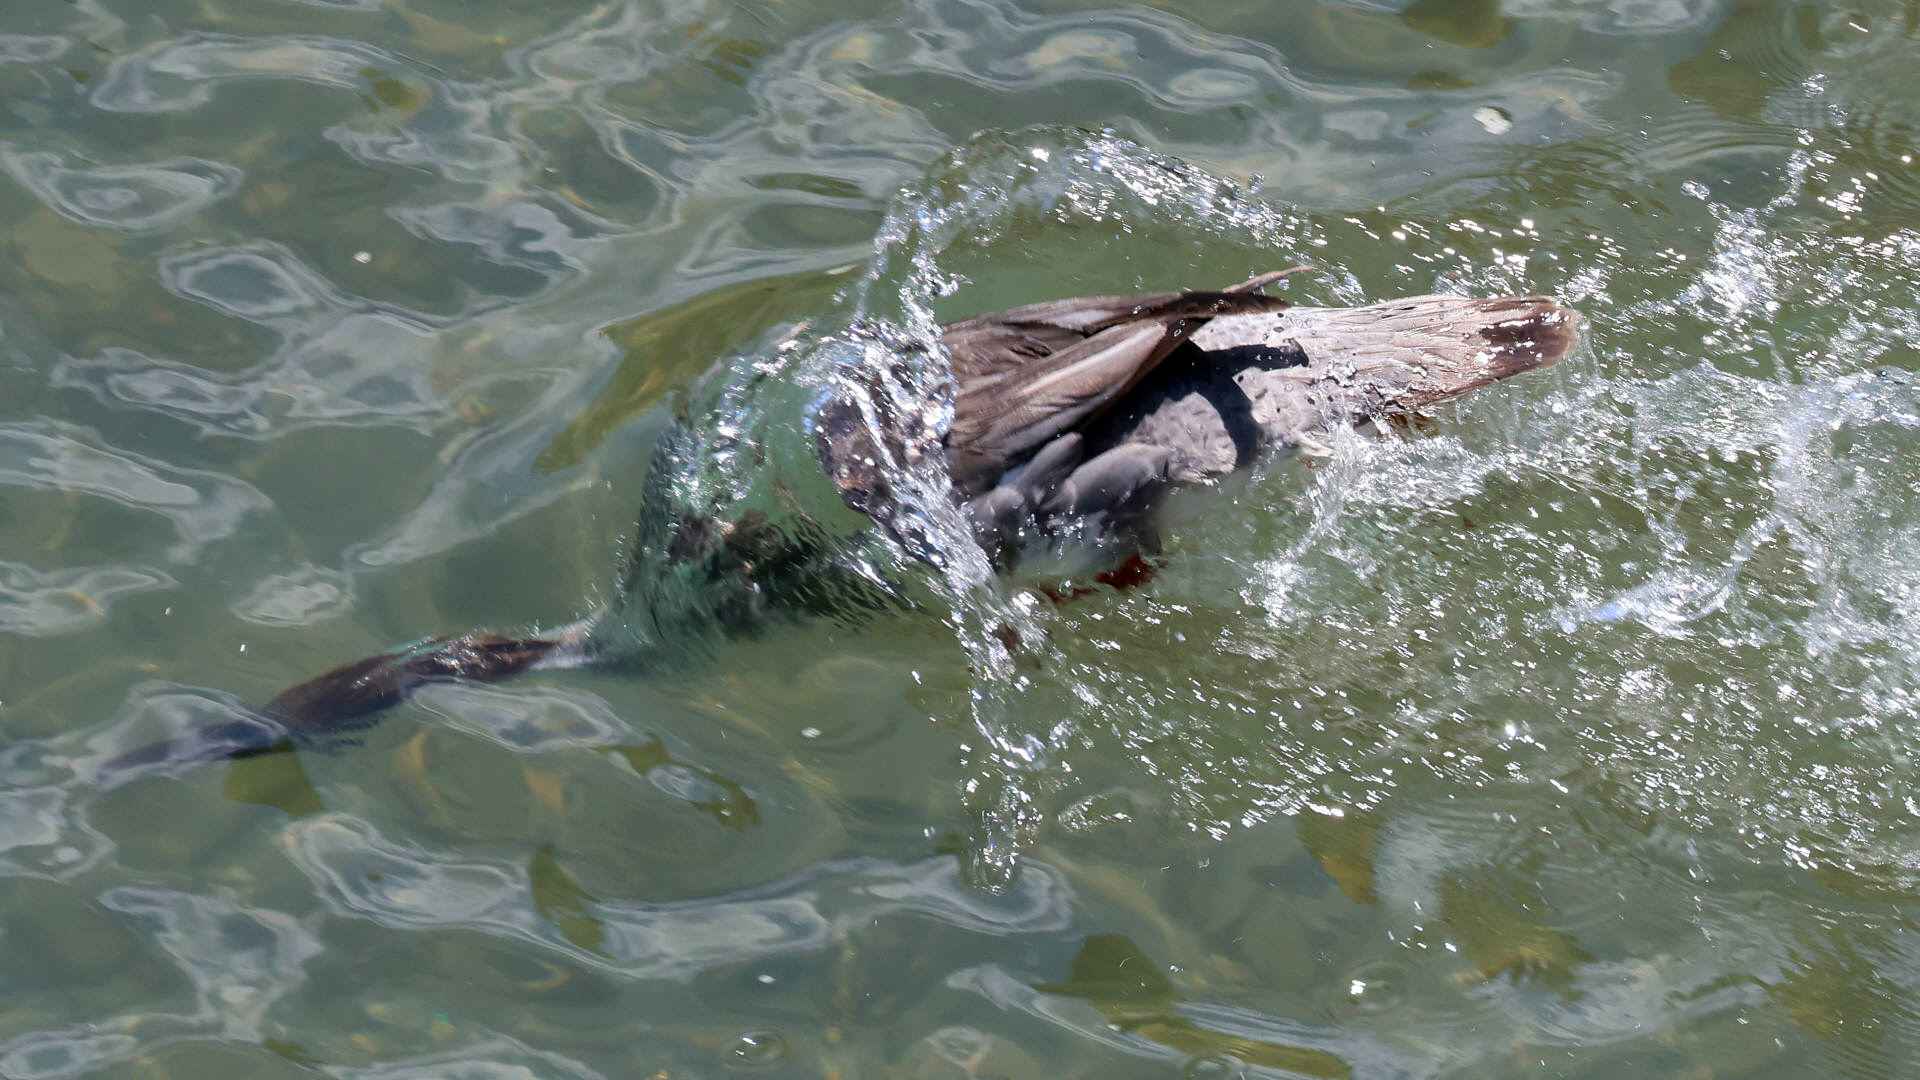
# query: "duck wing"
[1030,374]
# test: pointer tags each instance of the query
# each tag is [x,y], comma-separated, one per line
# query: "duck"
[1071,418]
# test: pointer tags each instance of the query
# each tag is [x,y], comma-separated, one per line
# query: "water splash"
[740,458]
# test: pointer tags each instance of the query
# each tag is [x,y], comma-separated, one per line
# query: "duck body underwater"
[1071,419]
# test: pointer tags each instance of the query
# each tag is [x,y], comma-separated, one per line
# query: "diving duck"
[1070,417]
[1077,414]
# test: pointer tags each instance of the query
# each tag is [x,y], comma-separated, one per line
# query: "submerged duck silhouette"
[1070,417]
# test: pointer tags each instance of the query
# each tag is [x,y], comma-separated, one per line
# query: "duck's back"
[1253,384]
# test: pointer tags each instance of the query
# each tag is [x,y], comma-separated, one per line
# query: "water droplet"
[1496,120]
[756,1049]
[1375,987]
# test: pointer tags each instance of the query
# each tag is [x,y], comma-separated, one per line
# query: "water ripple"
[449,133]
[241,961]
[38,836]
[67,599]
[183,73]
[50,456]
[31,49]
[55,1054]
[491,1059]
[261,283]
[343,359]
[359,873]
[489,482]
[1622,16]
[530,724]
[550,240]
[136,198]
[308,595]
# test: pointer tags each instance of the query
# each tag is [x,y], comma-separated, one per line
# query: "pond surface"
[1570,732]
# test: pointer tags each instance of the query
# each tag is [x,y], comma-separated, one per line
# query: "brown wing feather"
[998,420]
[1032,373]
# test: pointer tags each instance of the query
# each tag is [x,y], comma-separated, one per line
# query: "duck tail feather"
[1426,350]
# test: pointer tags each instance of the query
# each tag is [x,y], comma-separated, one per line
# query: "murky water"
[1569,734]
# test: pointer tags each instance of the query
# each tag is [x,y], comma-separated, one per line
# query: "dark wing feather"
[1085,315]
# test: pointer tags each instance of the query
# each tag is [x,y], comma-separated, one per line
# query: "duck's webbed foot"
[1136,570]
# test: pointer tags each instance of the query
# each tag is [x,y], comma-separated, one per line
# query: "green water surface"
[1570,732]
